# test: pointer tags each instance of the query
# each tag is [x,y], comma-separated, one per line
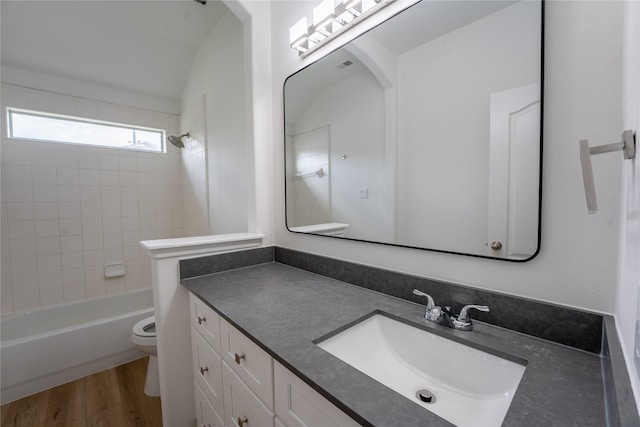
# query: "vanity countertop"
[284,309]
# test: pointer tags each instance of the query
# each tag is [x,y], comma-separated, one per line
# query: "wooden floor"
[111,398]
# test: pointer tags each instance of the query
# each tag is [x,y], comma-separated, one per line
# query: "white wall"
[578,258]
[217,72]
[443,125]
[67,210]
[628,304]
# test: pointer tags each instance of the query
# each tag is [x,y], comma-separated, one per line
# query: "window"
[39,126]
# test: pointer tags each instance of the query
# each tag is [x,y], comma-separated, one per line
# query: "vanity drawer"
[206,321]
[298,405]
[206,416]
[207,370]
[252,364]
[242,407]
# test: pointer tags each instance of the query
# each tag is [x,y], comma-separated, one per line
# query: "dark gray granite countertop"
[284,309]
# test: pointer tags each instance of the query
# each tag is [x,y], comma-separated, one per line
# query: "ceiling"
[144,46]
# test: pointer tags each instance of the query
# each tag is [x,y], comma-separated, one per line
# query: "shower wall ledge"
[187,246]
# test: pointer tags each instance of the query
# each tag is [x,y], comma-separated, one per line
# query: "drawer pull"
[242,421]
[239,357]
[203,370]
[201,319]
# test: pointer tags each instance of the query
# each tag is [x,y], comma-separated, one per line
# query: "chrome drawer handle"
[239,357]
[242,421]
[201,319]
[203,370]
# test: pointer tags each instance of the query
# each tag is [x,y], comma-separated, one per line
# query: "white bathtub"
[53,345]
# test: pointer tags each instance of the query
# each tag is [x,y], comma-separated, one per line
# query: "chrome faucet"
[444,315]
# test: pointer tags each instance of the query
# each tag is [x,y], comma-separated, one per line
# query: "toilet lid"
[145,327]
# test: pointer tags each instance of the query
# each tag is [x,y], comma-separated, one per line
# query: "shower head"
[177,140]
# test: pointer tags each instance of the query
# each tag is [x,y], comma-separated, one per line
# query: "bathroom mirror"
[423,132]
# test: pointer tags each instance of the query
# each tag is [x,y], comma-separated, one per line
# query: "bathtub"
[46,347]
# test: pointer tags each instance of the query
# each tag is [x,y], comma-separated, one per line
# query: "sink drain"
[426,396]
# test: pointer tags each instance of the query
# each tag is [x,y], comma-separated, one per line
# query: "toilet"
[143,336]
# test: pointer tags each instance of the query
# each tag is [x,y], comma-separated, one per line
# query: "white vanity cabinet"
[238,384]
[298,405]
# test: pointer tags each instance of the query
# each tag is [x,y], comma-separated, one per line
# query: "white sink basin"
[470,387]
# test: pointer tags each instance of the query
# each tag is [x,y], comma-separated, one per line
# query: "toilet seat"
[145,327]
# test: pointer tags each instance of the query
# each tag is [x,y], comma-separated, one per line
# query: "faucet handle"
[430,303]
[464,313]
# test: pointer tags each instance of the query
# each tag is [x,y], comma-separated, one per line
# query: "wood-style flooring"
[111,398]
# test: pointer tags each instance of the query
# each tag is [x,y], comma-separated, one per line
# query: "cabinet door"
[242,408]
[298,405]
[252,364]
[206,416]
[207,370]
[206,321]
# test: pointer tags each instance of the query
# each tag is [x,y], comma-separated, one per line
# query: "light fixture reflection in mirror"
[428,132]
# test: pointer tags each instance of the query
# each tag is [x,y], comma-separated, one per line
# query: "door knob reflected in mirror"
[496,246]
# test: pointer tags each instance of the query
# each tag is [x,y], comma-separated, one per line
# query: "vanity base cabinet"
[238,384]
[298,405]
[206,416]
[242,408]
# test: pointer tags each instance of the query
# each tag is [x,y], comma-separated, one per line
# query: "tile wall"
[68,210]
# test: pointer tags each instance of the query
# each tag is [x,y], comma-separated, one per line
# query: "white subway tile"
[70,227]
[68,176]
[130,208]
[70,210]
[131,238]
[112,240]
[19,211]
[45,193]
[93,258]
[132,282]
[72,260]
[13,155]
[109,178]
[89,177]
[72,277]
[43,159]
[66,159]
[74,293]
[21,229]
[92,225]
[68,193]
[71,244]
[112,224]
[47,228]
[50,280]
[94,273]
[91,210]
[7,304]
[89,160]
[131,253]
[48,245]
[128,178]
[90,193]
[19,192]
[109,161]
[66,105]
[22,247]
[95,289]
[44,175]
[40,100]
[92,242]
[111,209]
[14,174]
[110,193]
[129,194]
[113,255]
[46,210]
[130,223]
[128,162]
[51,262]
